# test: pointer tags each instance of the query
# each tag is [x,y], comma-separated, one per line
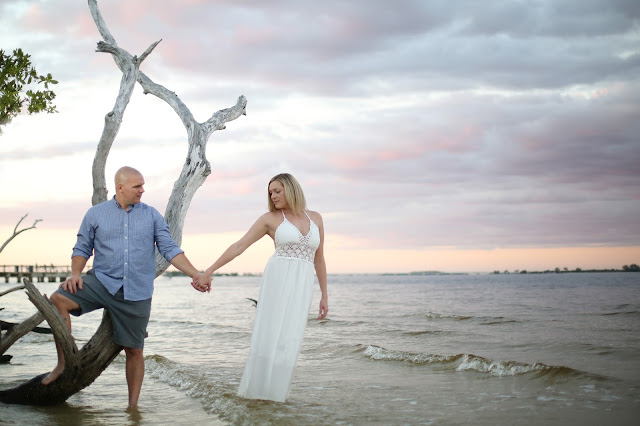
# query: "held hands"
[72,284]
[202,282]
[324,308]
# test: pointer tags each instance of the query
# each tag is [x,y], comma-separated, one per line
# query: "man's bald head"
[124,173]
[129,186]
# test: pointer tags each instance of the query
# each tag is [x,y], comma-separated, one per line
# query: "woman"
[286,289]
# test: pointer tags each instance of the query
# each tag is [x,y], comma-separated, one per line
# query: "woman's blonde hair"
[292,192]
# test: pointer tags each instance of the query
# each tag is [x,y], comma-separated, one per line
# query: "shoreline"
[176,273]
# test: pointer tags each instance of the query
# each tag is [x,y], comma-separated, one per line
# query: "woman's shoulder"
[267,222]
[271,217]
[315,216]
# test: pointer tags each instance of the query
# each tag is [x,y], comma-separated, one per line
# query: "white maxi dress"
[281,317]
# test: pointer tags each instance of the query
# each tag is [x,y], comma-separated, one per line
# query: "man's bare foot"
[134,414]
[53,375]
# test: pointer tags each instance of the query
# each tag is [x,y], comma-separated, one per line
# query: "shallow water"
[458,349]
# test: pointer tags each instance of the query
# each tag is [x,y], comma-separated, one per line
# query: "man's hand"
[72,284]
[202,282]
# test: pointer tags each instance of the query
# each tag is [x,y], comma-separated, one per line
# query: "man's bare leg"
[134,373]
[64,305]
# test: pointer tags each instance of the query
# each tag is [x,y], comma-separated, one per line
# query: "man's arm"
[174,254]
[82,251]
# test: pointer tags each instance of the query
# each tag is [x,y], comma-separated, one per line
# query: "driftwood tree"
[14,331]
[83,366]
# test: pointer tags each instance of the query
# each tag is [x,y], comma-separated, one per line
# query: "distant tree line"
[631,268]
[626,268]
[217,274]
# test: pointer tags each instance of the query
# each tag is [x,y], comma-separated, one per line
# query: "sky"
[457,136]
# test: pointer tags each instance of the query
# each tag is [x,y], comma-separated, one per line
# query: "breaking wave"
[215,389]
[435,315]
[381,354]
[467,362]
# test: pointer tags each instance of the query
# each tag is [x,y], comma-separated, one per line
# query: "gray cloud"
[474,124]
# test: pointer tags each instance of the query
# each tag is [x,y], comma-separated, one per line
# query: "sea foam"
[465,362]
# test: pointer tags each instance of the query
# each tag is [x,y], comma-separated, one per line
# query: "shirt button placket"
[125,244]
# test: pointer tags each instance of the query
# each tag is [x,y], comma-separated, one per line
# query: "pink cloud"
[85,27]
[349,161]
[455,140]
[129,15]
[34,18]
[254,36]
[408,147]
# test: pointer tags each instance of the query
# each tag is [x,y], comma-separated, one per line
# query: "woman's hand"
[202,282]
[324,307]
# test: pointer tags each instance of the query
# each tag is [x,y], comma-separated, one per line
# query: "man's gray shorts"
[129,318]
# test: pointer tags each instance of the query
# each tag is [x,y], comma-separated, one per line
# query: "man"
[123,234]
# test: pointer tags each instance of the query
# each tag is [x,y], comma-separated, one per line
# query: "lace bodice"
[290,243]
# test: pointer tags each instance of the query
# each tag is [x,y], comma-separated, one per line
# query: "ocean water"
[435,350]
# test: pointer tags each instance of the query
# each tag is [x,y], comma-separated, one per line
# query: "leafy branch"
[16,71]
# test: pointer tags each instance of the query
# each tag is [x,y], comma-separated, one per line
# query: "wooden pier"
[35,273]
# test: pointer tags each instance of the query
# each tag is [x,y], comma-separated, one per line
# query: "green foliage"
[16,71]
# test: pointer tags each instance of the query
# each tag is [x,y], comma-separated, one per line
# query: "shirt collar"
[131,206]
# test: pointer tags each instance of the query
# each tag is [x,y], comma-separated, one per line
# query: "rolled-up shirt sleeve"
[86,235]
[164,242]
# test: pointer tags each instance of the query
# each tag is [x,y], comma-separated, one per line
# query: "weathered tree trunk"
[129,65]
[84,366]
[196,167]
[81,367]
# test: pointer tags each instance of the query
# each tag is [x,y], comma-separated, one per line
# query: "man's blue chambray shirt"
[124,244]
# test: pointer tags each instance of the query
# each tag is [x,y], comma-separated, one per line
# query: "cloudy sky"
[431,135]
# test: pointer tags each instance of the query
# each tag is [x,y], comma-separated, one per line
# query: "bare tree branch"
[20,330]
[112,121]
[11,290]
[16,232]
[6,325]
[149,50]
[102,26]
